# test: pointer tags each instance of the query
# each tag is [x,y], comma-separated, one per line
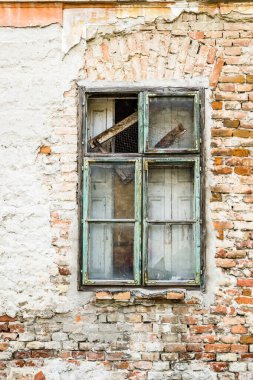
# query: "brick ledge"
[126,296]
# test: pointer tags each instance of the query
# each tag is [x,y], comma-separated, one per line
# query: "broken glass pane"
[112,125]
[111,194]
[171,122]
[111,251]
[170,252]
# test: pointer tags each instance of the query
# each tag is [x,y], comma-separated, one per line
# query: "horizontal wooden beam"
[114,130]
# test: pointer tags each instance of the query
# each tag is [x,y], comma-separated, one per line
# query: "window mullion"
[138,224]
[145,224]
[85,222]
[196,121]
[197,174]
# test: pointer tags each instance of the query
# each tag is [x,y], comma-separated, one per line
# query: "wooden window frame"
[180,157]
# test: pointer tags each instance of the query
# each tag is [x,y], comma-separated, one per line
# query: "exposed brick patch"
[45,149]
[39,376]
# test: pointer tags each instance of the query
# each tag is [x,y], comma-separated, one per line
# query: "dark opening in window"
[112,125]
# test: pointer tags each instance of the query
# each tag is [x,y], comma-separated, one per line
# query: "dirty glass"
[171,122]
[111,251]
[170,193]
[170,252]
[111,194]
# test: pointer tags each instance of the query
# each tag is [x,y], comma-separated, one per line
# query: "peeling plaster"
[77,21]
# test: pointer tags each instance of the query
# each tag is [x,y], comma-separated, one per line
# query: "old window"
[141,204]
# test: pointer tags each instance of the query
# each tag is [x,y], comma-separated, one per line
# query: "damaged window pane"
[171,122]
[112,125]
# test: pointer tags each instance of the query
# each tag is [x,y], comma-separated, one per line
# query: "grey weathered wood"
[114,130]
[80,128]
[100,119]
[125,175]
[170,197]
[101,235]
[170,137]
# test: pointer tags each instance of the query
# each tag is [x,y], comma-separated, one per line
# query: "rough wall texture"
[49,329]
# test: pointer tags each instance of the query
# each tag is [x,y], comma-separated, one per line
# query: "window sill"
[130,296]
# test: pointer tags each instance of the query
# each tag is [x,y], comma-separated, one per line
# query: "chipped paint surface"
[24,15]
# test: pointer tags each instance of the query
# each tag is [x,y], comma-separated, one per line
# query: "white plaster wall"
[33,78]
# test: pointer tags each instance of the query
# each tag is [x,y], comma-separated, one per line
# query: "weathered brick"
[39,376]
[45,149]
[220,132]
[232,79]
[245,281]
[246,339]
[175,347]
[225,263]
[249,79]
[217,105]
[201,329]
[4,346]
[231,123]
[143,365]
[194,347]
[197,35]
[244,300]
[239,329]
[219,367]
[94,356]
[239,348]
[6,318]
[122,296]
[175,295]
[103,295]
[217,347]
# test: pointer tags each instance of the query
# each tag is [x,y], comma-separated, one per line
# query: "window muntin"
[144,263]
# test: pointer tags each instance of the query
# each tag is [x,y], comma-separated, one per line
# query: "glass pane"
[171,252]
[111,251]
[170,193]
[111,193]
[105,113]
[171,122]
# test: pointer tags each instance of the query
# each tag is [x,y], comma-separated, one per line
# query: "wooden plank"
[100,118]
[114,130]
[170,137]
